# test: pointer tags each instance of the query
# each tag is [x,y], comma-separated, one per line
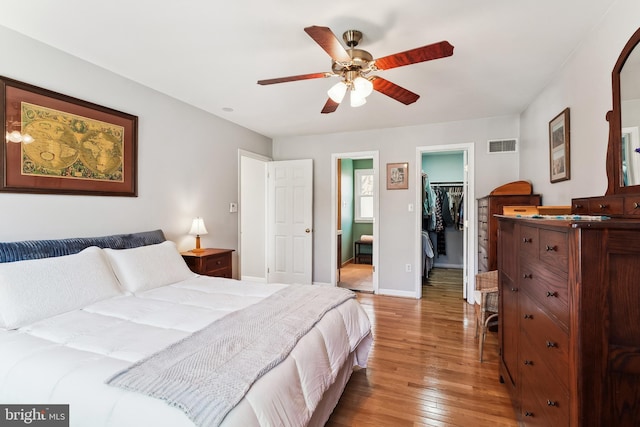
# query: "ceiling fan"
[354,67]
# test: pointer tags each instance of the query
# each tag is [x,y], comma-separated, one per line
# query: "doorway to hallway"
[355,193]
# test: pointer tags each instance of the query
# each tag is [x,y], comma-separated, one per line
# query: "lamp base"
[197,248]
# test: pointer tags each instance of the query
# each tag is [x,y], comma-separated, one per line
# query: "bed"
[113,326]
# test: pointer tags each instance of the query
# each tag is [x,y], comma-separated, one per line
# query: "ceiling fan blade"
[420,54]
[329,42]
[394,91]
[330,106]
[294,78]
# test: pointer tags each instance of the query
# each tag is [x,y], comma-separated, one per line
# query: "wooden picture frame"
[559,143]
[397,176]
[57,144]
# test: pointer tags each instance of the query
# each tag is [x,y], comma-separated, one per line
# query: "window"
[363,195]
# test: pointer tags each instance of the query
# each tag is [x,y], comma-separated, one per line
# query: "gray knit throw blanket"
[207,373]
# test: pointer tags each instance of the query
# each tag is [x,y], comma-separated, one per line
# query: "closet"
[442,211]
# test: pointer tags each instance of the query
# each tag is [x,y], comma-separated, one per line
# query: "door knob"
[307,230]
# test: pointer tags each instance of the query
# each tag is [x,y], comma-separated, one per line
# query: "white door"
[290,221]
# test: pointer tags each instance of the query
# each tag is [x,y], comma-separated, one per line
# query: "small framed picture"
[559,157]
[397,176]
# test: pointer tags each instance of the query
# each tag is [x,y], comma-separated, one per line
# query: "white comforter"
[66,359]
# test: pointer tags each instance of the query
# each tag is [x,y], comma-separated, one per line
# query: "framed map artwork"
[59,144]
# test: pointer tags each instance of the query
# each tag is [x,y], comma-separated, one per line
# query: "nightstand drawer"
[216,263]
[210,262]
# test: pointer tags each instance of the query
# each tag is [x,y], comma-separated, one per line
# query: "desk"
[360,257]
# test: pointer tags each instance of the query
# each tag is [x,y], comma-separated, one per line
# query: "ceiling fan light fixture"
[14,136]
[362,86]
[357,100]
[337,92]
[27,139]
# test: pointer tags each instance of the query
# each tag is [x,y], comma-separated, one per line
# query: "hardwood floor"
[357,277]
[423,369]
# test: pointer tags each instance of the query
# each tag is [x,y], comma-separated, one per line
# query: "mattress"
[67,358]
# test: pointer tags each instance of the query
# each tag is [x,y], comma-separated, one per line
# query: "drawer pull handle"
[551,248]
[526,240]
[551,344]
[577,206]
[528,414]
[551,403]
[218,262]
[514,289]
[551,294]
[527,276]
[603,206]
[528,362]
[636,205]
[528,316]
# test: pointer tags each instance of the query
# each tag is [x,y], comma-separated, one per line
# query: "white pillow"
[33,290]
[148,267]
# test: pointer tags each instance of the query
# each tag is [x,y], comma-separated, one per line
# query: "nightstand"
[210,262]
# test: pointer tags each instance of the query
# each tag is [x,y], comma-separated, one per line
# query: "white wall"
[584,85]
[187,159]
[397,225]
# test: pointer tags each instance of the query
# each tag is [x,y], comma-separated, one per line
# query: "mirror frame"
[614,149]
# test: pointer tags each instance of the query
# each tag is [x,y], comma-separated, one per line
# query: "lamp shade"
[362,86]
[337,92]
[197,227]
[357,100]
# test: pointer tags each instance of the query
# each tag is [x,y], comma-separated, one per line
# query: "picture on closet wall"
[397,176]
[559,160]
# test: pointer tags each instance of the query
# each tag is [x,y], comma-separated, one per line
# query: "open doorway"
[354,213]
[453,246]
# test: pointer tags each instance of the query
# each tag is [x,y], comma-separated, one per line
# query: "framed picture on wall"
[57,144]
[397,176]
[559,157]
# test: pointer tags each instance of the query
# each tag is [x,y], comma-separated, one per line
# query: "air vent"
[502,146]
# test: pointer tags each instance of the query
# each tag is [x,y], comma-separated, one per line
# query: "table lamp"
[198,228]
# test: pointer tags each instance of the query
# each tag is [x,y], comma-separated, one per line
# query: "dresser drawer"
[483,237]
[549,289]
[546,338]
[553,249]
[545,401]
[529,242]
[580,206]
[632,205]
[606,205]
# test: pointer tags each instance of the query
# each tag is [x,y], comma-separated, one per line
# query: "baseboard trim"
[397,293]
[254,279]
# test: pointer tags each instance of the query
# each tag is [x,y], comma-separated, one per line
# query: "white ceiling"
[210,53]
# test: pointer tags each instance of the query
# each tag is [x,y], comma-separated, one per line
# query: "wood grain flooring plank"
[423,369]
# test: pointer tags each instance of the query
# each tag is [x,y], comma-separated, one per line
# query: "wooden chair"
[486,304]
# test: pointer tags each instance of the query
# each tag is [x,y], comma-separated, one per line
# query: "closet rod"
[444,183]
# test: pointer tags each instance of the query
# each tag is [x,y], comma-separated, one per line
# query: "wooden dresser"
[489,206]
[569,324]
[210,262]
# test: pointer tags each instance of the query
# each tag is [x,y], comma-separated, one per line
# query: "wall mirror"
[623,156]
